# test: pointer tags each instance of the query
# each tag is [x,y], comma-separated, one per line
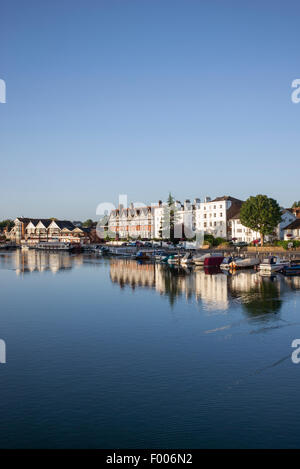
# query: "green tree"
[296,204]
[88,223]
[262,214]
[169,220]
[6,224]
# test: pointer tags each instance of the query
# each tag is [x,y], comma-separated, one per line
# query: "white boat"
[187,259]
[53,246]
[244,263]
[272,264]
[24,247]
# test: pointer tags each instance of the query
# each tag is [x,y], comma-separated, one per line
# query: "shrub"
[212,241]
[286,244]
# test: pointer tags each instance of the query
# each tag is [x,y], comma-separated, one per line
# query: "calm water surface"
[106,353]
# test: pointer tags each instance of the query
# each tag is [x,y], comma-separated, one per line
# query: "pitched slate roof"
[295,225]
[227,197]
[65,224]
[46,222]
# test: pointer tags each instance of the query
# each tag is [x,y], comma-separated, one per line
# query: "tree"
[8,224]
[169,220]
[296,204]
[88,223]
[261,214]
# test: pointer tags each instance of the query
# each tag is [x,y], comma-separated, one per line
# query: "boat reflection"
[215,290]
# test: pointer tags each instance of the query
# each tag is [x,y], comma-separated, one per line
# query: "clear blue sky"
[144,97]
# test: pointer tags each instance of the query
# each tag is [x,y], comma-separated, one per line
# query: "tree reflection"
[263,299]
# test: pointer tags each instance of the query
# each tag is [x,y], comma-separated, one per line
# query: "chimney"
[187,204]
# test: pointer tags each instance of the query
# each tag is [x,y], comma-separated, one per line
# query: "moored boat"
[226,262]
[292,269]
[209,259]
[142,256]
[159,255]
[187,259]
[272,264]
[53,246]
[174,259]
[214,261]
[244,263]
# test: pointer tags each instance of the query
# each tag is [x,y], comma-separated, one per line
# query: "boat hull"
[244,264]
[272,268]
[213,261]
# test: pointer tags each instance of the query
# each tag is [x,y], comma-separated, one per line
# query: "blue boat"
[292,269]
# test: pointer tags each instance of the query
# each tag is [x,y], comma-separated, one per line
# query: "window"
[215,215]
[204,224]
[221,215]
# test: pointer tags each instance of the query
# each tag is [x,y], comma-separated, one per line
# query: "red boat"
[213,261]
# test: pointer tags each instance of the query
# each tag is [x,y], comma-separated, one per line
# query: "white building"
[287,218]
[185,218]
[241,233]
[210,216]
[292,231]
[244,234]
[213,216]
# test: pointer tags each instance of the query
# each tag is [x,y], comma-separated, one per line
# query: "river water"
[110,353]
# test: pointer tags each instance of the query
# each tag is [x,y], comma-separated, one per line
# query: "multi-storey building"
[132,222]
[218,217]
[184,218]
[34,230]
[213,216]
[241,233]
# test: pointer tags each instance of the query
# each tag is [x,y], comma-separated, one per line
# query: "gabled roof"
[295,225]
[227,197]
[64,224]
[46,221]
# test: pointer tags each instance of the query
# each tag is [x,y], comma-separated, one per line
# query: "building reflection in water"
[216,291]
[213,288]
[40,261]
[209,287]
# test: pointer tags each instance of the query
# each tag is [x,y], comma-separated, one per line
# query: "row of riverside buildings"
[219,217]
[35,230]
